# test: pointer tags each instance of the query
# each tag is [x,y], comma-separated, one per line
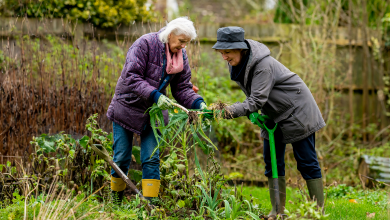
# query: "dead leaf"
[353,201]
[370,215]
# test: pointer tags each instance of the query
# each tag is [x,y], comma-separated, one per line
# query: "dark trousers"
[304,153]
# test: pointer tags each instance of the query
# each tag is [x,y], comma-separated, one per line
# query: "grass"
[343,209]
[87,210]
[337,208]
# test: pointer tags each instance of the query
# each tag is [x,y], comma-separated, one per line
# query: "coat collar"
[160,44]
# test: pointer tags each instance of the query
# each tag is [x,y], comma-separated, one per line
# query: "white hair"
[178,26]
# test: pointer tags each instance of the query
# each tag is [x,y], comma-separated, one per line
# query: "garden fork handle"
[274,167]
[98,148]
[128,182]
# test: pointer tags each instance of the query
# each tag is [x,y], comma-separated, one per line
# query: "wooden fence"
[69,99]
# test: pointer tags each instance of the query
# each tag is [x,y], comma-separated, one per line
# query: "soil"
[192,117]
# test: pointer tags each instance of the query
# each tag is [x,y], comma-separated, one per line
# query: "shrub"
[100,13]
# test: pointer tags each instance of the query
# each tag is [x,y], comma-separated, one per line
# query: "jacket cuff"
[155,95]
[196,103]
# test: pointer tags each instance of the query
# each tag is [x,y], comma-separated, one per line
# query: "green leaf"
[47,146]
[137,154]
[71,154]
[228,209]
[84,141]
[216,195]
[198,166]
[183,123]
[135,175]
[180,204]
[110,137]
[197,138]
[201,132]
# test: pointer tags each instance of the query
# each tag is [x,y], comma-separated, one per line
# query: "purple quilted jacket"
[141,75]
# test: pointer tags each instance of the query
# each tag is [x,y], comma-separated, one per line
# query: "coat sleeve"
[134,70]
[262,83]
[182,87]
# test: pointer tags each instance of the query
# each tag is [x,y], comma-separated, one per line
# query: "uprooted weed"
[220,110]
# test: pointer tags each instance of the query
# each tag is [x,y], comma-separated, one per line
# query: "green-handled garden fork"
[259,120]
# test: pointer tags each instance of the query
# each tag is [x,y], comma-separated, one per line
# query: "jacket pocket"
[295,125]
[127,99]
[278,103]
[297,120]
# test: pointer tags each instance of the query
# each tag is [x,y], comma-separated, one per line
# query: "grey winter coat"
[279,93]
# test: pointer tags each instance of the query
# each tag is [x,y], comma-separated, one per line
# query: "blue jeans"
[123,144]
[304,153]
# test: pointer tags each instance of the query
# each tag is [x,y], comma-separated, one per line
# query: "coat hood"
[258,52]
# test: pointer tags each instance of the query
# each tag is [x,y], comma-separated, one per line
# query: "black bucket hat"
[230,38]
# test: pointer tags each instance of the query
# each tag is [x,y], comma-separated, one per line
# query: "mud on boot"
[282,196]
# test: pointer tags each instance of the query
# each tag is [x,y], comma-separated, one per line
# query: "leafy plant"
[339,191]
[342,191]
[307,210]
[100,13]
[233,208]
[72,160]
[212,202]
[177,134]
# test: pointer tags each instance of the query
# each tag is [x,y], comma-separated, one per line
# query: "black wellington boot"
[316,191]
[282,194]
[117,196]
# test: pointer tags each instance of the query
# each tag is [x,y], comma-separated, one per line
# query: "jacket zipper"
[298,121]
[163,73]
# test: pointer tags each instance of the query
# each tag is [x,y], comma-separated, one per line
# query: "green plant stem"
[184,152]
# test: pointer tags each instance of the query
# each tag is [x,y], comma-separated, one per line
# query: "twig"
[74,217]
[374,180]
[25,202]
[334,165]
[379,133]
[66,216]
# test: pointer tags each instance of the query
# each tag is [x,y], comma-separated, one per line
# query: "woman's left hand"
[164,103]
[203,106]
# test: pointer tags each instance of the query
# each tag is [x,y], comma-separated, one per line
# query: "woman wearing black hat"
[284,97]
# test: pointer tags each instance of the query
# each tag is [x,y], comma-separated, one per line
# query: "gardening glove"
[218,113]
[258,119]
[164,103]
[203,106]
[208,114]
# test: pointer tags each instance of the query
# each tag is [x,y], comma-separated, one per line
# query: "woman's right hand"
[164,103]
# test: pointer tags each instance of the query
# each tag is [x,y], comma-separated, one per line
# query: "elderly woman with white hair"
[153,62]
